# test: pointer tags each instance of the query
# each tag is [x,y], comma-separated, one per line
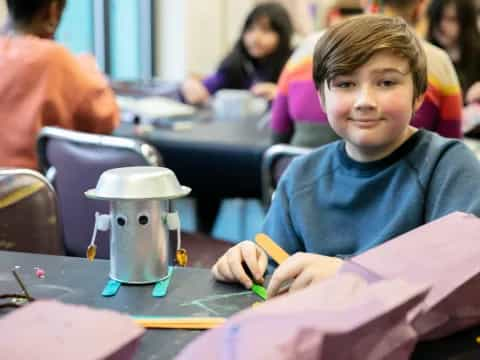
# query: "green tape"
[161,288]
[260,291]
[111,288]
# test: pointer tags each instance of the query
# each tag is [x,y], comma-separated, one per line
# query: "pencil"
[192,323]
[20,282]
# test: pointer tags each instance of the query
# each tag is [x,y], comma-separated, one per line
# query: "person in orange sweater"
[43,84]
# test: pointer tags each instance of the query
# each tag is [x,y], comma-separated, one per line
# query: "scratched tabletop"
[192,292]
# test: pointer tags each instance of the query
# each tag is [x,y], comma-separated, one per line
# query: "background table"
[221,158]
[218,159]
[214,156]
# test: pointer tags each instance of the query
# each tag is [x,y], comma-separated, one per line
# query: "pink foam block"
[445,254]
[48,329]
[344,317]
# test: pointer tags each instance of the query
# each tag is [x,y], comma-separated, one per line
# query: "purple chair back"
[75,161]
[28,213]
[274,163]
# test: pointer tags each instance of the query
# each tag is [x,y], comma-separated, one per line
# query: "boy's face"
[371,108]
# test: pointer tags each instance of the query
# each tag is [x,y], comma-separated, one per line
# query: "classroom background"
[140,39]
[170,40]
[166,39]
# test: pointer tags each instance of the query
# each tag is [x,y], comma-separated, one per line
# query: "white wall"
[204,34]
[3,12]
[192,37]
[169,37]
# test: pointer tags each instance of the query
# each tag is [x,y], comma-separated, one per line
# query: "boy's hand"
[229,267]
[302,270]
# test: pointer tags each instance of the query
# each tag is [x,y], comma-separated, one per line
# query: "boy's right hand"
[229,267]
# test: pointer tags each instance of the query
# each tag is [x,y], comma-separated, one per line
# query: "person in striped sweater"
[298,118]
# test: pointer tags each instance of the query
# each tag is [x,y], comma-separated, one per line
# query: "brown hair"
[350,44]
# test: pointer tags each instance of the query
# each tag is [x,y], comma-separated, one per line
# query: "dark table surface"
[214,157]
[192,292]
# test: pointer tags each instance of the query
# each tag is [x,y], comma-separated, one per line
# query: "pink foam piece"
[344,317]
[48,329]
[445,254]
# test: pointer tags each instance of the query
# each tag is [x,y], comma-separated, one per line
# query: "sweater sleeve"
[445,92]
[278,222]
[82,91]
[98,103]
[453,185]
[215,82]
[451,104]
[281,123]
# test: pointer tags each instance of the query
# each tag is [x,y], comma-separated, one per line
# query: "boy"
[383,179]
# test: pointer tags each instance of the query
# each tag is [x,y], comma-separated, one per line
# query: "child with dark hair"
[256,60]
[382,179]
[24,14]
[453,27]
[43,84]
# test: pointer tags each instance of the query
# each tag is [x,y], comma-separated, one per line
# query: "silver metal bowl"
[138,182]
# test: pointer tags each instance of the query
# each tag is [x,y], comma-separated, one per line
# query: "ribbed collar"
[378,165]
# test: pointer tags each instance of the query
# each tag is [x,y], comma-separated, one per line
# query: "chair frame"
[79,140]
[270,157]
[22,171]
[7,171]
[145,150]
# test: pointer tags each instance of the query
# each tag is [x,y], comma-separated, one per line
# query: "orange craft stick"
[271,248]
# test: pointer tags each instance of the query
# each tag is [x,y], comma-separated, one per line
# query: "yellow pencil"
[193,323]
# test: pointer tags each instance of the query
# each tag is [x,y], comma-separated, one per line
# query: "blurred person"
[342,9]
[43,84]
[298,117]
[301,12]
[256,60]
[453,27]
[477,8]
[331,12]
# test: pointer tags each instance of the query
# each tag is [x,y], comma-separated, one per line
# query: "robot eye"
[143,219]
[121,220]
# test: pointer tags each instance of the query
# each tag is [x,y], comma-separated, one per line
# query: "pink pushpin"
[40,272]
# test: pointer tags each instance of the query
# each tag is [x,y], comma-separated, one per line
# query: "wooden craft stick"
[271,248]
[192,323]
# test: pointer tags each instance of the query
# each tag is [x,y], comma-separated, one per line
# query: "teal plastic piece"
[260,291]
[111,288]
[161,288]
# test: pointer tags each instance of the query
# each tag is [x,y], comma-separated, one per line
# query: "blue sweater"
[329,204]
